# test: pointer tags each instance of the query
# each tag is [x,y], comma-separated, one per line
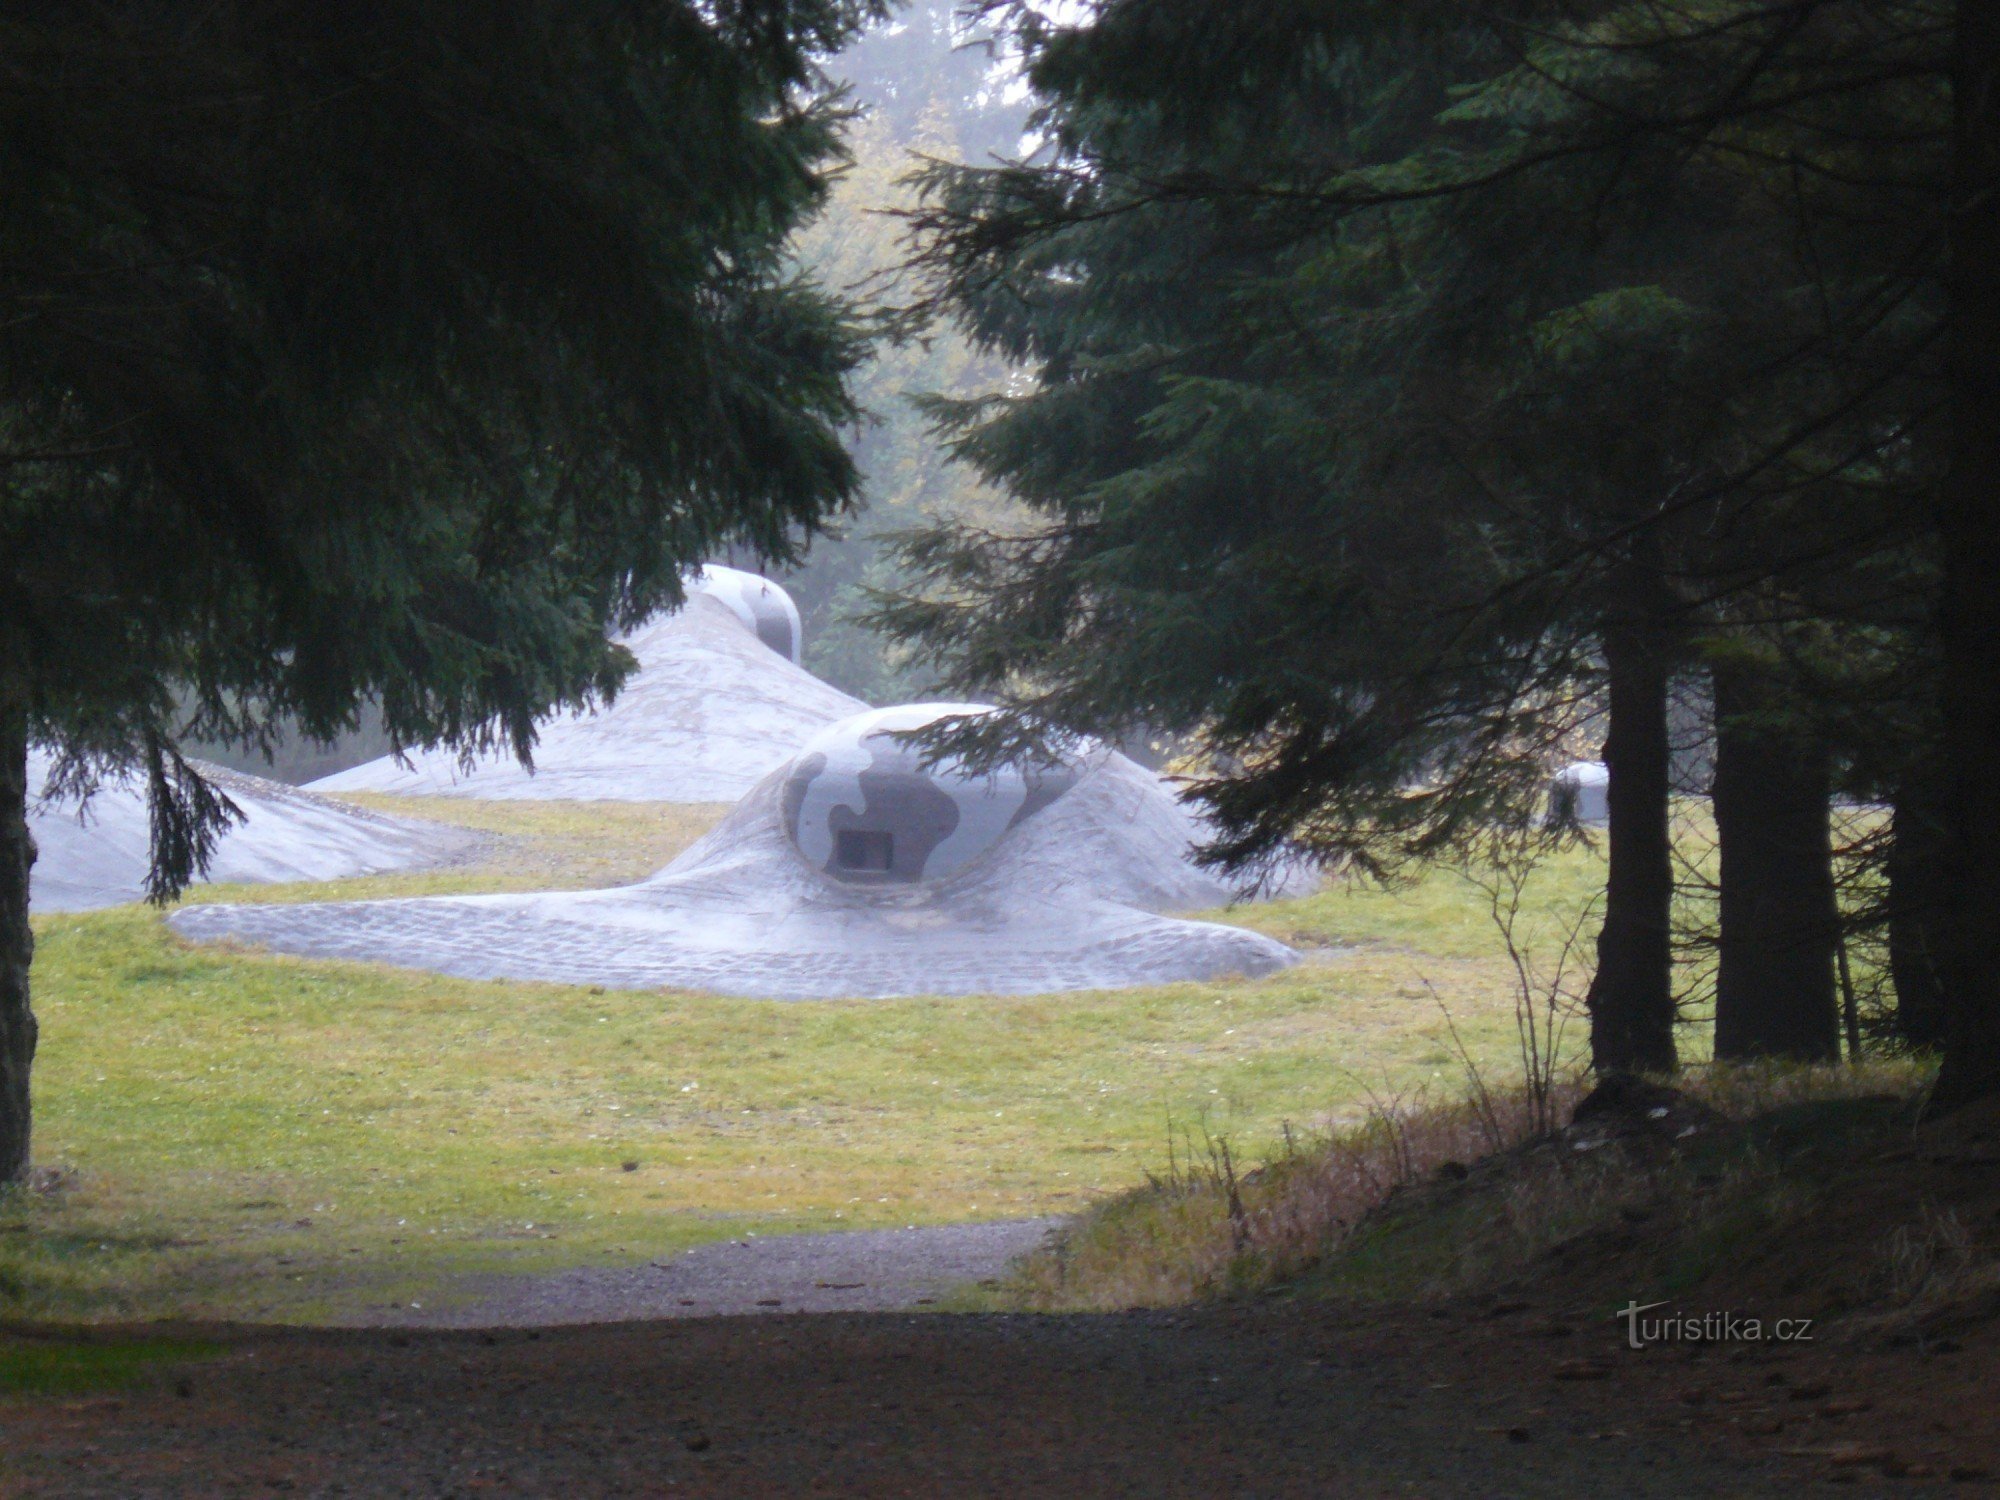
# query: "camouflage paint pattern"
[857,788]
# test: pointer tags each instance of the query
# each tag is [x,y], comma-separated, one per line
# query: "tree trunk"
[1920,897]
[1780,924]
[1970,517]
[17,942]
[1631,999]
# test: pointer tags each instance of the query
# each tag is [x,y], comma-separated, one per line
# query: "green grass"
[264,1137]
[533,846]
[1444,915]
[69,1367]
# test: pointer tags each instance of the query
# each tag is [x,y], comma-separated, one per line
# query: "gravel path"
[872,1270]
[1274,1402]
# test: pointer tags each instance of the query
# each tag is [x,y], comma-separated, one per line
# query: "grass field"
[249,1136]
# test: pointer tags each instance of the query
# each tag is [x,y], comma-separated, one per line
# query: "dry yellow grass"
[1214,1225]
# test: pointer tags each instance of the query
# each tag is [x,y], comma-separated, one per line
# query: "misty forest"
[999,747]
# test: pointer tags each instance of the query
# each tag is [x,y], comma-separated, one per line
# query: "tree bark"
[1775,981]
[17,941]
[1631,999]
[1920,898]
[1970,533]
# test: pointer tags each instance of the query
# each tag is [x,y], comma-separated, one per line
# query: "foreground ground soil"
[1277,1399]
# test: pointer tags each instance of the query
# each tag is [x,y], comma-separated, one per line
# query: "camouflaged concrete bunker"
[863,807]
[852,869]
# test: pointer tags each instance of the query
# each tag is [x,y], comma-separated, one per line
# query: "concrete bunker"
[719,701]
[853,869]
[866,806]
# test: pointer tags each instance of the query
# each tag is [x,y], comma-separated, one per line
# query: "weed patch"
[1427,1199]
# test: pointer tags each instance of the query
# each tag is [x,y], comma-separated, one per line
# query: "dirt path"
[1277,1400]
[858,1271]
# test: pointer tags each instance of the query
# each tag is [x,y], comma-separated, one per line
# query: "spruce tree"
[1401,374]
[1970,544]
[1779,920]
[385,355]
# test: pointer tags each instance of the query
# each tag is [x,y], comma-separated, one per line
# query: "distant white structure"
[1579,793]
[719,700]
[97,854]
[853,870]
[765,610]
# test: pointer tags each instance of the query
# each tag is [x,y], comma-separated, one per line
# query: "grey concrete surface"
[95,853]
